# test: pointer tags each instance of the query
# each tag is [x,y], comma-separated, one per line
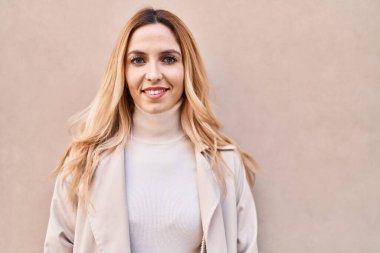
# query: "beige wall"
[302,78]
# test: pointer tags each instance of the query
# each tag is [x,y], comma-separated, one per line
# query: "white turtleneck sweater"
[163,205]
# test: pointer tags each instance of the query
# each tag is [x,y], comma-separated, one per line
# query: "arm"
[61,225]
[246,213]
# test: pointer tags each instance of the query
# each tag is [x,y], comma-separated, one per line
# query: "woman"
[148,169]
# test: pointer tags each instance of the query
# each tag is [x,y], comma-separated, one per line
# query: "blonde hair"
[107,121]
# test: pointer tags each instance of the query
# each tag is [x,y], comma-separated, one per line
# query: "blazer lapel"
[210,207]
[108,215]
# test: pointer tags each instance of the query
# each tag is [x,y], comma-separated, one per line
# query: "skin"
[154,59]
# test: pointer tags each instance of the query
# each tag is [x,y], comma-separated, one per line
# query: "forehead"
[153,36]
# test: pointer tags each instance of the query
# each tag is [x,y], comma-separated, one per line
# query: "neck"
[157,127]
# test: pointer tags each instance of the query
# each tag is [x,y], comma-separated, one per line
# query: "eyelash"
[172,58]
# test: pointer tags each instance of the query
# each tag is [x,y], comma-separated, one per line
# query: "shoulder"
[227,152]
[230,152]
[228,147]
[231,155]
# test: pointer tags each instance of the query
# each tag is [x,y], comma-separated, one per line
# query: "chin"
[155,108]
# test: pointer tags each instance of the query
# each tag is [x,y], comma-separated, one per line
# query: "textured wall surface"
[302,78]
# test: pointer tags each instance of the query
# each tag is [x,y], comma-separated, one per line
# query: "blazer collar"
[108,213]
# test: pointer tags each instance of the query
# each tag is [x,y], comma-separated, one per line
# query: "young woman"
[148,169]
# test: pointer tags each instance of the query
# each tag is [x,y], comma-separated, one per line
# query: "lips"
[155,89]
[155,92]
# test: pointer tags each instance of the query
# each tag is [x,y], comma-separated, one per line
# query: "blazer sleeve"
[61,225]
[246,212]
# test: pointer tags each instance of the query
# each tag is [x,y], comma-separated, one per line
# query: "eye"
[169,59]
[137,60]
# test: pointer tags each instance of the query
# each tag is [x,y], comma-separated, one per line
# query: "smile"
[155,94]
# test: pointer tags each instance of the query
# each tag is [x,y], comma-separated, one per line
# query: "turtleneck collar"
[157,128]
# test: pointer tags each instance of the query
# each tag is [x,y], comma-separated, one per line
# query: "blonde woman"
[148,169]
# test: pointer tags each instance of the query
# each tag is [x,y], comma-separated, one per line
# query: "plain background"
[301,78]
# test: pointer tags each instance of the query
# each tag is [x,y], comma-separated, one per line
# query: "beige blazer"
[229,225]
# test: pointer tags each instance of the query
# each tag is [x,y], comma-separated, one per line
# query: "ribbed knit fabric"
[163,206]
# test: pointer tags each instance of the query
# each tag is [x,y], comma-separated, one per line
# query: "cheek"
[176,76]
[180,78]
[132,77]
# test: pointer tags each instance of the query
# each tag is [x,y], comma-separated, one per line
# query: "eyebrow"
[169,51]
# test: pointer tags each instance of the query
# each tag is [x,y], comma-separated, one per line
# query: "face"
[154,69]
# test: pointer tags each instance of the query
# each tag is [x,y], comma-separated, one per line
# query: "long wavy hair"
[107,121]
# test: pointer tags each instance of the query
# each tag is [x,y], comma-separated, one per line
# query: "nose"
[153,72]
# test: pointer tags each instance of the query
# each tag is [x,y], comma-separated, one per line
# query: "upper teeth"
[154,92]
